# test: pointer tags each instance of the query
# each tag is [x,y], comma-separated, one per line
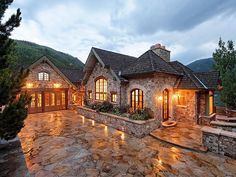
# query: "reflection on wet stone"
[66,144]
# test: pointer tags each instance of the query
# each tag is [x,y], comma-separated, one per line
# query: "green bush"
[106,106]
[142,114]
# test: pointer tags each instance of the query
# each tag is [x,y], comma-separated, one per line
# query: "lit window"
[52,99]
[101,89]
[113,97]
[89,94]
[63,97]
[39,100]
[211,102]
[43,76]
[32,104]
[46,98]
[136,99]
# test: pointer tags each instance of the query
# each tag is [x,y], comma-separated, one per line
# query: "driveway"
[65,144]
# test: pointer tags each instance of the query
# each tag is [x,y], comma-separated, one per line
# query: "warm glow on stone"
[160,98]
[29,85]
[56,85]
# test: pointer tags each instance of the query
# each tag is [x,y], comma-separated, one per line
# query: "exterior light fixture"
[175,96]
[93,122]
[122,136]
[29,85]
[56,85]
[160,98]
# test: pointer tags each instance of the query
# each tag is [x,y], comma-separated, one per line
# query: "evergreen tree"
[13,108]
[225,63]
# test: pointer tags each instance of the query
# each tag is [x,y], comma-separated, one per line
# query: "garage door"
[48,101]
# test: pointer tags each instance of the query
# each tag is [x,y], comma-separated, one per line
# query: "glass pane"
[40,76]
[63,96]
[46,76]
[39,100]
[52,99]
[58,99]
[32,104]
[46,99]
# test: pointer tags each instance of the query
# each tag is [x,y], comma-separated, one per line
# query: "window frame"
[45,76]
[133,103]
[102,90]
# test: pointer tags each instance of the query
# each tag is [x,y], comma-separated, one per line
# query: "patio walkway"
[65,144]
[184,134]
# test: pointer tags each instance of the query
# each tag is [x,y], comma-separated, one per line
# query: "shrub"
[106,106]
[142,114]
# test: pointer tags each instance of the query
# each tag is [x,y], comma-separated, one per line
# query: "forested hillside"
[28,52]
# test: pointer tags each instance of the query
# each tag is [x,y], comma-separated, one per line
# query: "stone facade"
[219,141]
[134,127]
[185,110]
[153,87]
[112,87]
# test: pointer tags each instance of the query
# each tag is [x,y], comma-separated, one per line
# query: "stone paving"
[65,144]
[184,134]
[12,160]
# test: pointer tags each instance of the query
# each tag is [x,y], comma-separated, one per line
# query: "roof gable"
[44,59]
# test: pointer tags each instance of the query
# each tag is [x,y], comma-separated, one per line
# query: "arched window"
[101,89]
[136,99]
[43,76]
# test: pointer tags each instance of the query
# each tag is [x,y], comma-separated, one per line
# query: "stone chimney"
[161,51]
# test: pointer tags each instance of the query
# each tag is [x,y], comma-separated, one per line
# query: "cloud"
[190,29]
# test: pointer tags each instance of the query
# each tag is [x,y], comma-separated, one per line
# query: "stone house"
[170,89]
[52,88]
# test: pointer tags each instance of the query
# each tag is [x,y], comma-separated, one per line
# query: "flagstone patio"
[66,144]
[185,134]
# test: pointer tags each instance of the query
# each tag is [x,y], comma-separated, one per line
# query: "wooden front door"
[48,100]
[165,105]
[36,102]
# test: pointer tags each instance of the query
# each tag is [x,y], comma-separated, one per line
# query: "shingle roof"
[210,79]
[188,80]
[74,75]
[149,62]
[118,62]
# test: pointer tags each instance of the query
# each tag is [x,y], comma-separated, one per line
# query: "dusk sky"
[190,29]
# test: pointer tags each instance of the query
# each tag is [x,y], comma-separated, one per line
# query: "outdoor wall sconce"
[93,123]
[175,96]
[160,98]
[29,85]
[57,85]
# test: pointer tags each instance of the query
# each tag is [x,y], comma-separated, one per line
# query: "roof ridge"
[113,52]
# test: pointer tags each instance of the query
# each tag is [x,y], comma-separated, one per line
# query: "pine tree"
[13,108]
[225,63]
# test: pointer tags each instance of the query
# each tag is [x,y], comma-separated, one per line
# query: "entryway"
[48,100]
[165,105]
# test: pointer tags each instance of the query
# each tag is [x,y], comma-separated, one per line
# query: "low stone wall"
[228,126]
[134,127]
[219,141]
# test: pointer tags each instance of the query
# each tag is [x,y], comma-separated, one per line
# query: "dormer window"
[43,76]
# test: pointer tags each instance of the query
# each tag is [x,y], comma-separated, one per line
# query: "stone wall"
[219,141]
[153,87]
[186,111]
[134,127]
[113,84]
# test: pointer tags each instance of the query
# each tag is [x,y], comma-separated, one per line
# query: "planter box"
[134,127]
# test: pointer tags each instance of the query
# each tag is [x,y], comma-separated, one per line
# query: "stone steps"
[226,119]
[228,126]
